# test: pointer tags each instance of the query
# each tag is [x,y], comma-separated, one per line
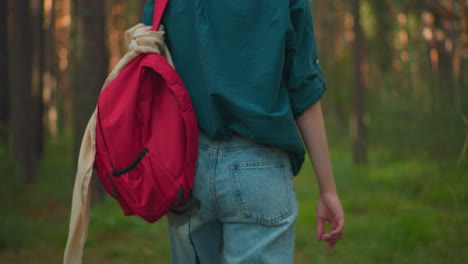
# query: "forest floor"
[397,211]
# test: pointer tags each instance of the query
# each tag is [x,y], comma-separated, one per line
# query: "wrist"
[329,194]
[327,186]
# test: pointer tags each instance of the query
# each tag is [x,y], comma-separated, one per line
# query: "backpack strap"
[158,12]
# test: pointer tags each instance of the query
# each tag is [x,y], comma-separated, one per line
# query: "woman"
[253,74]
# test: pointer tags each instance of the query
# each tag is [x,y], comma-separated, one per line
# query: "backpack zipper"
[114,189]
[115,193]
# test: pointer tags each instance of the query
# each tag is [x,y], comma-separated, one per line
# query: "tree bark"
[4,102]
[463,54]
[20,89]
[446,54]
[64,49]
[37,105]
[442,46]
[50,71]
[116,26]
[385,25]
[92,62]
[359,95]
[141,5]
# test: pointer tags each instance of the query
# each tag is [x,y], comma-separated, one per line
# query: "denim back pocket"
[264,191]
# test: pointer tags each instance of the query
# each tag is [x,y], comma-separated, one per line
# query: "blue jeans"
[248,206]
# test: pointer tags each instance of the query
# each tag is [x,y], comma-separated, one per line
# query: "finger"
[320,228]
[334,236]
[333,240]
[334,233]
[336,239]
[331,245]
[338,228]
[328,237]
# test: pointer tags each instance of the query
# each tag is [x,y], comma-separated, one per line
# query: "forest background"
[396,112]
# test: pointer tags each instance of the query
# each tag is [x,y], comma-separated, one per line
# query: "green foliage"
[407,124]
[410,108]
[408,205]
[30,211]
[399,210]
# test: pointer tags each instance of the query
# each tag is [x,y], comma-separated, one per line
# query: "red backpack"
[147,136]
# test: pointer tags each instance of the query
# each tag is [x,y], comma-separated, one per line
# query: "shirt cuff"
[308,92]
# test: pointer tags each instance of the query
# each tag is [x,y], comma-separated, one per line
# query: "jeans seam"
[214,156]
[228,149]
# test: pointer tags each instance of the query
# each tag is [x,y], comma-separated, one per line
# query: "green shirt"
[250,66]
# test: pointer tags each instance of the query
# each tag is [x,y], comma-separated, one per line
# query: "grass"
[397,211]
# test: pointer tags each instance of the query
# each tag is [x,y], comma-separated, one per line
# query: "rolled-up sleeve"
[305,80]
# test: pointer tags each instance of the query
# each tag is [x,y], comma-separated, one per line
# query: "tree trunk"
[359,95]
[319,18]
[141,6]
[335,46]
[116,26]
[441,46]
[63,47]
[385,25]
[21,91]
[50,70]
[445,51]
[37,77]
[463,55]
[92,63]
[4,103]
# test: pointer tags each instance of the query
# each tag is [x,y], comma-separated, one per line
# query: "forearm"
[312,129]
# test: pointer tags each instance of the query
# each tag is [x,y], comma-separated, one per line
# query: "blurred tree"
[439,20]
[329,19]
[383,35]
[337,28]
[21,88]
[133,12]
[4,104]
[141,5]
[37,105]
[50,69]
[359,95]
[65,64]
[121,15]
[462,55]
[318,12]
[116,26]
[92,60]
[444,18]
